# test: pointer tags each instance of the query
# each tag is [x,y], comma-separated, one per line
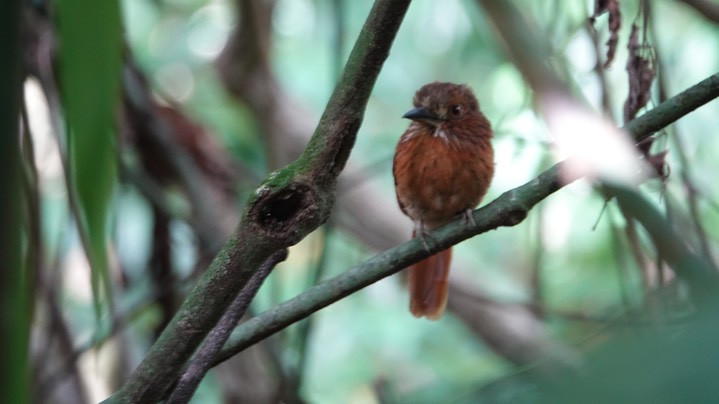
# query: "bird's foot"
[425,237]
[469,218]
[423,234]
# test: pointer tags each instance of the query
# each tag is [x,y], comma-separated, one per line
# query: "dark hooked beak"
[421,114]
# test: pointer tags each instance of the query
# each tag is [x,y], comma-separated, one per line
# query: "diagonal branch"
[202,361]
[286,207]
[507,210]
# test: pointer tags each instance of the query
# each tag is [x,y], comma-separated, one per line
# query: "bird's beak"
[421,114]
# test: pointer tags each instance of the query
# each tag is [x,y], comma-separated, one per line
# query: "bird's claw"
[423,234]
[469,218]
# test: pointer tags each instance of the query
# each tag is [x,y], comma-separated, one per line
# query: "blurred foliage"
[91,52]
[17,278]
[368,346]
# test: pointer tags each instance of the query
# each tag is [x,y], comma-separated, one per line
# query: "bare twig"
[535,281]
[160,268]
[338,37]
[305,327]
[605,99]
[203,360]
[620,254]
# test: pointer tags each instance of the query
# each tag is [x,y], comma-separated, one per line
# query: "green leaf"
[90,58]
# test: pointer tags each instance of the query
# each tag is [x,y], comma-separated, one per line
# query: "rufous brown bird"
[442,169]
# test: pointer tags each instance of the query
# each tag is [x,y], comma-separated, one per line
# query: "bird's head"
[451,112]
[442,104]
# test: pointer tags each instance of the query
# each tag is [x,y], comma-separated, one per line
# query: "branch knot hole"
[280,207]
[280,213]
[515,217]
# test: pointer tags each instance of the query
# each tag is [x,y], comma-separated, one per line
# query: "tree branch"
[202,362]
[507,210]
[286,207]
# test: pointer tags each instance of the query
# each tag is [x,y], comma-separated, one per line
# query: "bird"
[442,167]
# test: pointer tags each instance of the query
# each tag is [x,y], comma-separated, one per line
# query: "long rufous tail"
[428,285]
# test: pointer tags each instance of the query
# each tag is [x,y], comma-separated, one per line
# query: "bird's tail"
[428,285]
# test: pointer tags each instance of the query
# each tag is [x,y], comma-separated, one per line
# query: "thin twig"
[202,362]
[305,327]
[620,254]
[338,37]
[605,100]
[537,291]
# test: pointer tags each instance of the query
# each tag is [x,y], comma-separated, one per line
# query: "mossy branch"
[507,210]
[286,207]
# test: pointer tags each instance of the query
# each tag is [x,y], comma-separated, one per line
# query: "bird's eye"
[456,110]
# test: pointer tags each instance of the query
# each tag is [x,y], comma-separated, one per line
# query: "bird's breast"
[436,178]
